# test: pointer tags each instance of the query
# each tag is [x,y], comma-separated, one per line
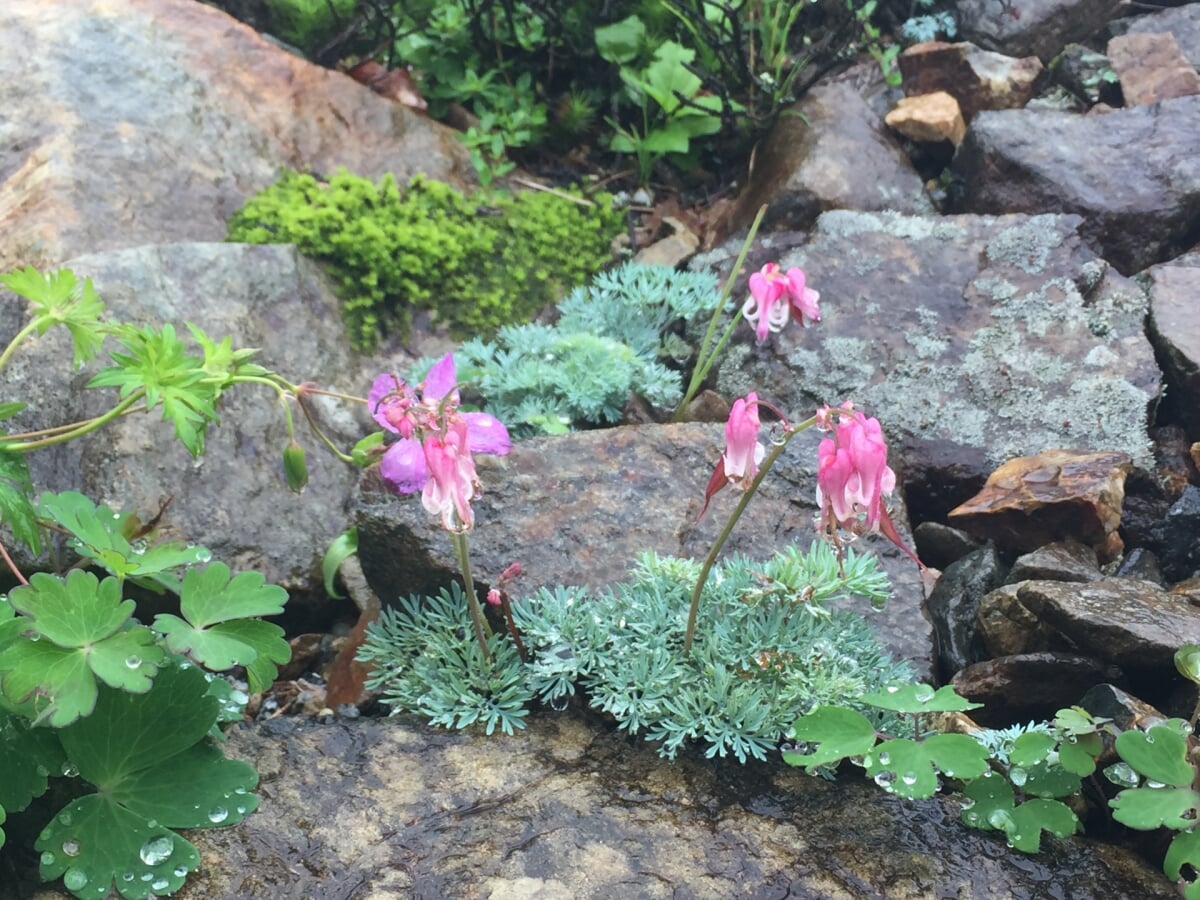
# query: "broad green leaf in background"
[217,629]
[154,771]
[620,42]
[101,535]
[79,630]
[27,757]
[1145,808]
[919,698]
[60,298]
[16,510]
[837,731]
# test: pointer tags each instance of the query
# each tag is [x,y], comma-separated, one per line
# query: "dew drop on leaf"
[75,879]
[69,771]
[133,661]
[885,779]
[181,871]
[891,688]
[70,847]
[48,858]
[203,554]
[160,884]
[241,810]
[128,876]
[218,814]
[64,817]
[884,758]
[923,693]
[909,778]
[1018,776]
[156,850]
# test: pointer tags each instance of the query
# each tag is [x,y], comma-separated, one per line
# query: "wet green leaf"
[342,548]
[919,698]
[1030,748]
[1187,661]
[1077,755]
[1160,754]
[1184,851]
[838,732]
[991,806]
[1145,808]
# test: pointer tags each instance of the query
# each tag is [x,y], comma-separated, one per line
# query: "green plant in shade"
[307,24]
[428,246]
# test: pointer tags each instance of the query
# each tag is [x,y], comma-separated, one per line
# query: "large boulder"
[1132,174]
[1038,28]
[131,122]
[233,499]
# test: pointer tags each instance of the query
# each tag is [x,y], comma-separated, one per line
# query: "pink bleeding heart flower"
[775,297]
[743,452]
[853,476]
[436,439]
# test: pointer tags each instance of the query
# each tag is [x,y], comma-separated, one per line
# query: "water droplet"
[64,817]
[181,871]
[218,814]
[35,637]
[240,790]
[157,850]
[241,698]
[75,879]
[972,818]
[885,758]
[146,876]
[133,661]
[116,515]
[885,780]
[137,547]
[559,702]
[1000,819]
[923,693]
[70,847]
[1151,783]
[891,688]
[858,761]
[241,810]
[1122,774]
[160,884]
[69,771]
[909,778]
[128,876]
[203,554]
[152,823]
[48,858]
[1018,776]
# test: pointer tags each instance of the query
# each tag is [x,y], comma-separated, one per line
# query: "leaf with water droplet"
[27,756]
[1159,753]
[837,731]
[1145,808]
[919,698]
[219,631]
[1078,756]
[993,806]
[1184,851]
[1030,748]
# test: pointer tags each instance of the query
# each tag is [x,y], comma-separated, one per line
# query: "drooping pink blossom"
[776,297]
[433,454]
[743,451]
[853,476]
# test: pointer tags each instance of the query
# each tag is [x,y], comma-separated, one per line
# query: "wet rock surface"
[1032,27]
[374,809]
[1029,687]
[976,78]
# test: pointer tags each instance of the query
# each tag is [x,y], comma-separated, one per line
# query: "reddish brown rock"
[1008,628]
[976,78]
[1033,686]
[1151,67]
[929,118]
[1035,500]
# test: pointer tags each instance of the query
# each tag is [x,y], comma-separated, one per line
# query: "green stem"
[711,559]
[16,341]
[708,353]
[284,388]
[483,631]
[78,430]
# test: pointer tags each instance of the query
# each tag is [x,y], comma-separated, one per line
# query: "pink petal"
[441,378]
[403,467]
[384,385]
[487,434]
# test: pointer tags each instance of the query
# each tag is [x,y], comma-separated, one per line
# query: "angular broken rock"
[976,78]
[1151,67]
[1174,329]
[1008,628]
[1029,687]
[1035,500]
[929,118]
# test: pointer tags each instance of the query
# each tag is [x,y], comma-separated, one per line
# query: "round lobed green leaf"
[838,732]
[1159,753]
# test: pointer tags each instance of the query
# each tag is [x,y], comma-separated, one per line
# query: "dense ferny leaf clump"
[478,262]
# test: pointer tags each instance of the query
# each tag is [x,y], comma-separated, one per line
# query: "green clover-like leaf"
[1045,780]
[27,756]
[1159,754]
[838,732]
[919,698]
[1145,808]
[1076,721]
[74,631]
[1077,754]
[1030,748]
[1184,851]
[1187,662]
[148,756]
[215,630]
[909,768]
[991,805]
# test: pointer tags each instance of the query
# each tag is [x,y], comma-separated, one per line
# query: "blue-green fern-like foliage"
[767,650]
[618,335]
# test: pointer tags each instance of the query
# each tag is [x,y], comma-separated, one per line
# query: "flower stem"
[61,436]
[711,559]
[708,353]
[18,339]
[483,631]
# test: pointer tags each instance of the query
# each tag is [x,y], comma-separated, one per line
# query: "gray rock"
[156,119]
[1182,21]
[563,811]
[830,151]
[1142,564]
[579,509]
[1135,625]
[939,545]
[1087,74]
[1181,544]
[973,339]
[1132,174]
[1174,330]
[1030,687]
[1060,561]
[234,499]
[1038,27]
[954,604]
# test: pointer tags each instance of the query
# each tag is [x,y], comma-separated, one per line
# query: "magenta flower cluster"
[434,452]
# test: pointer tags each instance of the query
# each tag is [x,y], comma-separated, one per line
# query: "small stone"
[677,248]
[929,118]
[939,545]
[1034,686]
[1060,561]
[976,78]
[1008,628]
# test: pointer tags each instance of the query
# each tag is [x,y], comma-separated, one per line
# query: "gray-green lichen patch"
[1000,333]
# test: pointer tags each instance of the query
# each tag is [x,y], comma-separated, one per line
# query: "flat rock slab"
[570,809]
[998,336]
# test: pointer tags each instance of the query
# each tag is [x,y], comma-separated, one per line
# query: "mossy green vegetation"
[479,262]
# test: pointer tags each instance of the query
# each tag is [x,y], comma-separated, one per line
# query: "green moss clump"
[477,266]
